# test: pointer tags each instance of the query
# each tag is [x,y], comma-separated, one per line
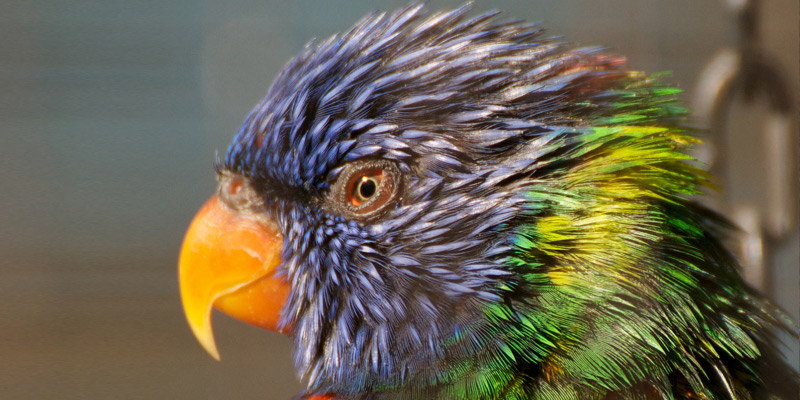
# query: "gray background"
[110,114]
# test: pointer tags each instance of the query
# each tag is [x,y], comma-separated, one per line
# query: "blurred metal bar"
[749,72]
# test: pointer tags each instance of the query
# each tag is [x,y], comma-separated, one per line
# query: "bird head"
[419,198]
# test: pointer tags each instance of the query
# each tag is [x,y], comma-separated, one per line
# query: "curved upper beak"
[228,261]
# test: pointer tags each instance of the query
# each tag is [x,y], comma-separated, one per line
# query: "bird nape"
[447,207]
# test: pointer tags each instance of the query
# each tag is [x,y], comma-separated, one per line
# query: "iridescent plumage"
[545,245]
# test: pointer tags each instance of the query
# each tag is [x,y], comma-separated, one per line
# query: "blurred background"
[111,112]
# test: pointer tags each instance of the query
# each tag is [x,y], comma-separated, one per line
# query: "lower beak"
[228,261]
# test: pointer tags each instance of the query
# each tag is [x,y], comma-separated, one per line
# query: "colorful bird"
[447,207]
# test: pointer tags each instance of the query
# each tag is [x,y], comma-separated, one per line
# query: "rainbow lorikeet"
[447,207]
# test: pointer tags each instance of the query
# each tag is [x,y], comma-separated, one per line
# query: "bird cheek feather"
[228,260]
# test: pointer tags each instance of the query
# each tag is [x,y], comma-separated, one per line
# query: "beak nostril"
[234,188]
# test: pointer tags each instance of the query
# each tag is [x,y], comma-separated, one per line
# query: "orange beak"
[228,261]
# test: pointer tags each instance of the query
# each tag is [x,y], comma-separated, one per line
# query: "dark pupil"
[367,188]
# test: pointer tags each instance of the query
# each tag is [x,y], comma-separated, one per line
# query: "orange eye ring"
[366,188]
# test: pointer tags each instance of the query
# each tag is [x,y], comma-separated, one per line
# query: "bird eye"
[364,189]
